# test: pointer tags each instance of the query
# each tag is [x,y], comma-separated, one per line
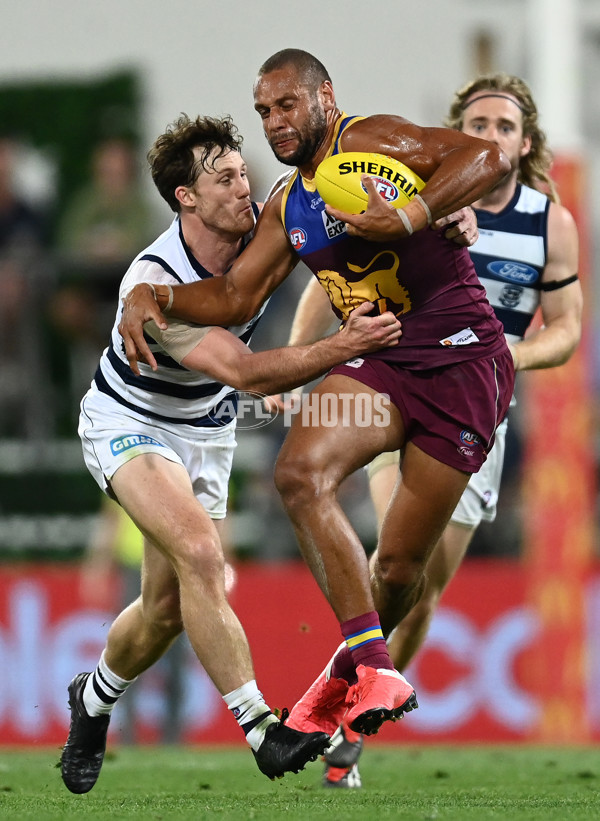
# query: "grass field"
[456,783]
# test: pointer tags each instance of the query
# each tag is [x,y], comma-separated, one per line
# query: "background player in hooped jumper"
[527,257]
[162,443]
[471,384]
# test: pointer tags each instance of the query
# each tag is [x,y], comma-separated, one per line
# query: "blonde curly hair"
[534,168]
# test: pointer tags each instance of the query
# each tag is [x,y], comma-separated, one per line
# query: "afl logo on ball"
[298,238]
[387,189]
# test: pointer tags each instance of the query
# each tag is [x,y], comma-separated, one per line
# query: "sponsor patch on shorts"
[355,363]
[132,440]
[464,337]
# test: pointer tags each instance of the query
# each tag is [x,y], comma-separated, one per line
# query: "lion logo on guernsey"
[298,238]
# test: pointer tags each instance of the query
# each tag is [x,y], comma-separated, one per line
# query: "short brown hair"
[534,168]
[172,160]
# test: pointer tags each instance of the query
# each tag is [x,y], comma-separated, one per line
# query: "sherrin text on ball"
[338,180]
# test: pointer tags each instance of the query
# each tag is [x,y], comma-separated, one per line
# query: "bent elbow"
[236,380]
[498,160]
[238,312]
[248,314]
[568,349]
[574,345]
[240,307]
[243,380]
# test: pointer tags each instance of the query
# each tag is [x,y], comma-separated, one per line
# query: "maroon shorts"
[450,413]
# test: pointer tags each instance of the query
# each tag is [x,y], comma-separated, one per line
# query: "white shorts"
[111,435]
[480,497]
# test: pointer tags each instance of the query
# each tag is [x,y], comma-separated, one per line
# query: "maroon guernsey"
[428,281]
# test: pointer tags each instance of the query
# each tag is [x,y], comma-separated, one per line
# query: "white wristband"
[169,298]
[407,223]
[425,208]
[167,307]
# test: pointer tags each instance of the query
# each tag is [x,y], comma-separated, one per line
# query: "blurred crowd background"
[83,93]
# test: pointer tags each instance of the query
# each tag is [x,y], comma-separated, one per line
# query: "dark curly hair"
[172,159]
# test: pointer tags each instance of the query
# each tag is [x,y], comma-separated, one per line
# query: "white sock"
[250,711]
[102,689]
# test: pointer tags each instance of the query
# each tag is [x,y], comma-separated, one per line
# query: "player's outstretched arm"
[226,300]
[314,316]
[561,299]
[312,320]
[224,357]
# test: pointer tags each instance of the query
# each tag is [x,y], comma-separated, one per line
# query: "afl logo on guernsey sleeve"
[298,238]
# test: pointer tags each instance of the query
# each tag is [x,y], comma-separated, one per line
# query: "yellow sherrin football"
[338,180]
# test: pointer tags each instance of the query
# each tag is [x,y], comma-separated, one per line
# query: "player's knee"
[202,556]
[399,575]
[299,480]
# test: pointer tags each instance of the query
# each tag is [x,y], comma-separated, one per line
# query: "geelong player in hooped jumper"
[161,443]
[450,378]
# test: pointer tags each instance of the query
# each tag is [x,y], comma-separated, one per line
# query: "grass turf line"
[411,783]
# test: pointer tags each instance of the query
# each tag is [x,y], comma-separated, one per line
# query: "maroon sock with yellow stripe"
[364,639]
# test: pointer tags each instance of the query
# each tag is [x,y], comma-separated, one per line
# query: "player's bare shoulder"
[563,240]
[393,136]
[363,133]
[560,218]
